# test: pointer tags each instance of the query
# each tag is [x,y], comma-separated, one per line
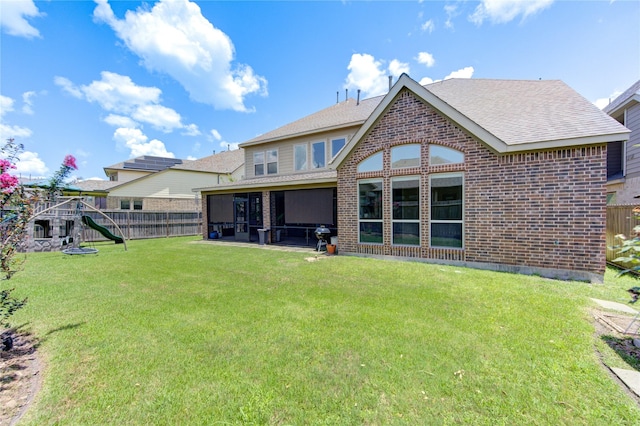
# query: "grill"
[323,234]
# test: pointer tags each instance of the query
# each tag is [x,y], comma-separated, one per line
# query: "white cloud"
[8,131]
[138,143]
[27,108]
[68,86]
[425,81]
[30,164]
[368,74]
[228,146]
[466,72]
[428,26]
[426,58]
[503,11]
[191,130]
[174,38]
[130,104]
[603,102]
[216,135]
[13,18]
[120,121]
[452,11]
[398,68]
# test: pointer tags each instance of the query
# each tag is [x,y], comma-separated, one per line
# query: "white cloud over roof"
[173,37]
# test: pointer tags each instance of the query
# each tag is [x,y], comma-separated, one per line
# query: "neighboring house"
[623,158]
[498,174]
[164,184]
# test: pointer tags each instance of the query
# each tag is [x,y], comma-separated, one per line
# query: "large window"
[272,162]
[371,164]
[318,155]
[336,146]
[446,210]
[258,163]
[370,211]
[300,157]
[404,156]
[405,204]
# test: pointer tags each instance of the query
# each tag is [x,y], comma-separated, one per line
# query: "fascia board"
[263,185]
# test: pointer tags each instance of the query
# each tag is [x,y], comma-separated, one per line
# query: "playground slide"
[101,229]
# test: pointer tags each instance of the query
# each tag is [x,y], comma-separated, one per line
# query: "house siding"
[285,151]
[633,148]
[543,210]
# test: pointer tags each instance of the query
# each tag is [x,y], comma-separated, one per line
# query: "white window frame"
[267,162]
[461,221]
[305,166]
[256,162]
[344,138]
[324,150]
[394,221]
[366,220]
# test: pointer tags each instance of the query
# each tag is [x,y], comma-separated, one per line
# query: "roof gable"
[630,97]
[507,115]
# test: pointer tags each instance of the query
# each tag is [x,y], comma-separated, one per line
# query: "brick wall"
[543,210]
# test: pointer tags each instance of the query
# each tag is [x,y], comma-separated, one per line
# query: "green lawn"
[174,331]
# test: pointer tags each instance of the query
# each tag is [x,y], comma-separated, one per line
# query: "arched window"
[404,156]
[371,164]
[442,155]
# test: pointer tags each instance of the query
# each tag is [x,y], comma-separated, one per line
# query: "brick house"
[497,174]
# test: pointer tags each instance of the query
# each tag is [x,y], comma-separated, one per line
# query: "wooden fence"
[145,224]
[620,220]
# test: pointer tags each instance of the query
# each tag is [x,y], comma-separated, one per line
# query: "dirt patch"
[20,376]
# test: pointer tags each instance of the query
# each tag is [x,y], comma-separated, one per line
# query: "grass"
[176,332]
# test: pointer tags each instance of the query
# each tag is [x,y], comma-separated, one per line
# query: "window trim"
[461,221]
[382,209]
[324,151]
[267,162]
[344,138]
[256,163]
[306,157]
[417,220]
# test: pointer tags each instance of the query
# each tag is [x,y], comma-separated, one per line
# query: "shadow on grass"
[624,347]
[65,327]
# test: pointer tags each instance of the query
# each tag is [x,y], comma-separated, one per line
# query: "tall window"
[405,206]
[318,155]
[370,211]
[258,163]
[446,210]
[300,157]
[272,161]
[336,146]
[405,156]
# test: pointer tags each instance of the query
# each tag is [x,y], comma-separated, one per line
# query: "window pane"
[371,232]
[406,199]
[336,146]
[318,155]
[258,163]
[442,155]
[124,205]
[446,235]
[405,156]
[272,168]
[300,157]
[406,233]
[370,199]
[259,169]
[137,204]
[371,163]
[446,198]
[272,156]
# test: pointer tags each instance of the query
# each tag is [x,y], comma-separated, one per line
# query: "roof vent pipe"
[346,94]
[390,82]
[358,102]
[337,97]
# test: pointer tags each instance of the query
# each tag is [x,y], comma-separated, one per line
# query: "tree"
[629,249]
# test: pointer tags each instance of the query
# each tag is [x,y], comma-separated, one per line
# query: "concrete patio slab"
[631,378]
[620,307]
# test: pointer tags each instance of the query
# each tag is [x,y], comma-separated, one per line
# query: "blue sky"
[107,81]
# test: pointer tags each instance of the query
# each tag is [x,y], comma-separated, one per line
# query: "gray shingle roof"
[631,92]
[525,111]
[223,162]
[343,114]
